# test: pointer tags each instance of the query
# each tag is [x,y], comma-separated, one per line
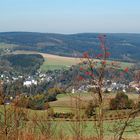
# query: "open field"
[66,102]
[7,46]
[53,62]
[66,127]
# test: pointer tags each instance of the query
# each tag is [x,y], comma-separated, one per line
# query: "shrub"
[55,90]
[138,105]
[64,115]
[121,101]
[21,102]
[37,102]
[46,105]
[51,112]
[1,101]
[52,93]
[51,97]
[90,110]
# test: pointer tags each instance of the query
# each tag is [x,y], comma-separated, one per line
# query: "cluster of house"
[30,82]
[40,77]
[114,86]
[35,80]
[110,87]
[135,85]
[27,81]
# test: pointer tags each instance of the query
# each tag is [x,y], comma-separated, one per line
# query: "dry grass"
[31,136]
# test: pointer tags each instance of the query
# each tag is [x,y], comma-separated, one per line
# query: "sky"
[70,16]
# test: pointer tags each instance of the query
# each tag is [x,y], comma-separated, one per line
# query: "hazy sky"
[70,16]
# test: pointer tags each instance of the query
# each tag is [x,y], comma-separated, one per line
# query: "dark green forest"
[23,63]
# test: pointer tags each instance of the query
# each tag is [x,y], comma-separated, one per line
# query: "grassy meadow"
[66,102]
[53,62]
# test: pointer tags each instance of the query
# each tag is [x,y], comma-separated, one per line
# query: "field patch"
[53,62]
[7,46]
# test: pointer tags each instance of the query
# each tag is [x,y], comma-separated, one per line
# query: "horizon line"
[69,33]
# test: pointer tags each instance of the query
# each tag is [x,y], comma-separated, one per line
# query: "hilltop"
[124,47]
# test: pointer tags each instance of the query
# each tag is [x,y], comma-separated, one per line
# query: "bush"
[51,97]
[52,93]
[90,110]
[1,101]
[121,101]
[64,115]
[37,102]
[138,105]
[46,105]
[21,102]
[55,90]
[51,112]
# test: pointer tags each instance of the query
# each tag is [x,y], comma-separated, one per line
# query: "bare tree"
[12,119]
[45,124]
[78,125]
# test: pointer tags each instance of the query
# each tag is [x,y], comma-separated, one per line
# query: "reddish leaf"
[126,70]
[107,54]
[85,55]
[87,73]
[80,78]
[104,62]
[99,55]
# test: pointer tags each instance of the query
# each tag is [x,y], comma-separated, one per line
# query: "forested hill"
[21,63]
[122,46]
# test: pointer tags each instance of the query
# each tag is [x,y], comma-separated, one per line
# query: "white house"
[73,90]
[29,83]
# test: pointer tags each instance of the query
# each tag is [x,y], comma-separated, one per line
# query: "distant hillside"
[122,46]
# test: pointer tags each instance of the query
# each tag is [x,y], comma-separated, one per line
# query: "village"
[41,78]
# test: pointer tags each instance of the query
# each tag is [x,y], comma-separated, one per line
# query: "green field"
[66,102]
[66,128]
[57,62]
[63,104]
[53,62]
